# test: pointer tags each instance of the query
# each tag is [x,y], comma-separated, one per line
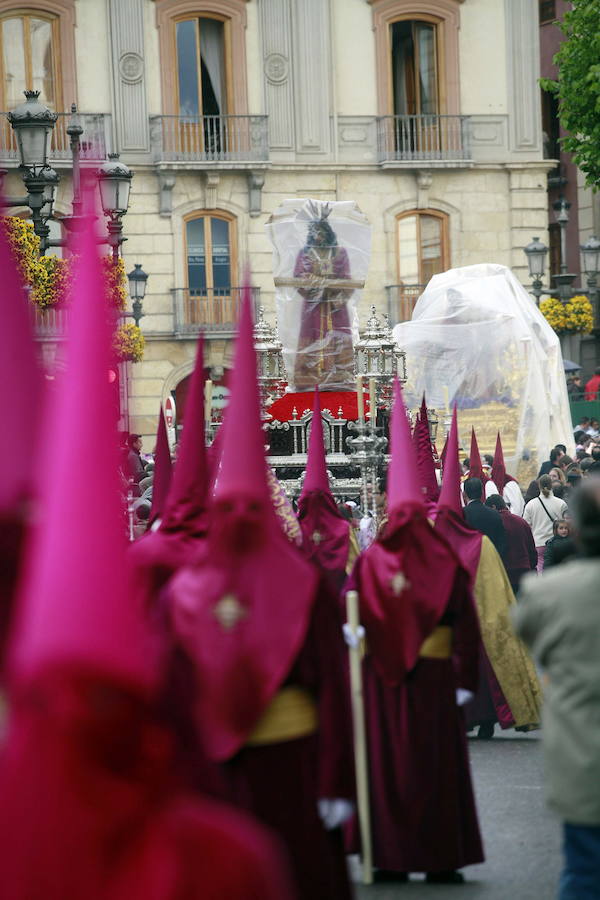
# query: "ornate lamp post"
[536,260]
[32,123]
[590,252]
[137,279]
[271,371]
[434,421]
[564,280]
[114,179]
[378,356]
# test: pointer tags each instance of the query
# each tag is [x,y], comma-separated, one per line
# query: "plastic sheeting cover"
[321,254]
[477,338]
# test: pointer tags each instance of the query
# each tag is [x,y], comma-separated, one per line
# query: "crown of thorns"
[318,214]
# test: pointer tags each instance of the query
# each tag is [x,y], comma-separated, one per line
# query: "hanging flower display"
[129,343]
[574,317]
[48,280]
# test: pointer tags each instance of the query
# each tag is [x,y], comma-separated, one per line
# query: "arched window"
[210,248]
[423,249]
[201,66]
[203,57]
[414,63]
[30,58]
[417,56]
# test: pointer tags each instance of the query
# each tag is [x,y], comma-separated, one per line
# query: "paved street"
[522,839]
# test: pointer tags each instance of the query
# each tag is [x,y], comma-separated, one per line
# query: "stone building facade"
[426,112]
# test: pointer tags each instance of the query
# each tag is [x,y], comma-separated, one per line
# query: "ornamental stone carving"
[131,67]
[276,68]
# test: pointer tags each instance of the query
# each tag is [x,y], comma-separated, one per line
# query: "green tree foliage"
[578,87]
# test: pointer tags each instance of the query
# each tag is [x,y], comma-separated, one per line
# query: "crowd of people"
[181,717]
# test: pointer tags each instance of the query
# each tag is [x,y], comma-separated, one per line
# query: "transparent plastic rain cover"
[321,256]
[477,339]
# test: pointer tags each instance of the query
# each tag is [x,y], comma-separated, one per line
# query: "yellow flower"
[129,342]
[575,316]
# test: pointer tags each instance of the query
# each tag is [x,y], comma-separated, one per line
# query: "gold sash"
[291,714]
[439,643]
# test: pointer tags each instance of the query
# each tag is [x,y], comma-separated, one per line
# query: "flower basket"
[574,317]
[129,343]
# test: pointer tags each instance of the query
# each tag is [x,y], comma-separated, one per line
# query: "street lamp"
[137,279]
[564,280]
[51,180]
[590,252]
[433,420]
[32,123]
[114,179]
[536,261]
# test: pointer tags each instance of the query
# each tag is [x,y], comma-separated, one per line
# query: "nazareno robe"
[509,691]
[284,636]
[96,814]
[423,814]
[326,536]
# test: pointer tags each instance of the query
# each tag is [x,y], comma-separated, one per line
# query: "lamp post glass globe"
[32,123]
[561,207]
[536,258]
[114,178]
[590,252]
[137,279]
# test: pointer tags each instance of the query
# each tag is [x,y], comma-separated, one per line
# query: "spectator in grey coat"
[562,627]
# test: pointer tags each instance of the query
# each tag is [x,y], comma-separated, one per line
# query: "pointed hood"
[403,476]
[243,468]
[475,465]
[316,478]
[227,608]
[450,521]
[425,462]
[21,380]
[498,473]
[187,500]
[75,603]
[162,470]
[451,480]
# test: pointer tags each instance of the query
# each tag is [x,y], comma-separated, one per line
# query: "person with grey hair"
[562,628]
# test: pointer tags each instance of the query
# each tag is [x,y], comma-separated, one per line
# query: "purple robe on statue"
[324,355]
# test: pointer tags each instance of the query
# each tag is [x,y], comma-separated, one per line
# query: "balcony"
[49,324]
[214,311]
[401,301]
[96,141]
[425,138]
[210,139]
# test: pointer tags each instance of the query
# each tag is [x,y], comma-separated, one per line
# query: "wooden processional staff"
[360,739]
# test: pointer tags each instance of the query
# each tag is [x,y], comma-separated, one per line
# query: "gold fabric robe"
[510,660]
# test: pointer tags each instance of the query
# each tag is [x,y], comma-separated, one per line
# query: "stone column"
[312,76]
[523,72]
[129,88]
[276,33]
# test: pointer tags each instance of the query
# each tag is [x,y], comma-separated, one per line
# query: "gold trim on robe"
[439,643]
[291,714]
[509,658]
[353,550]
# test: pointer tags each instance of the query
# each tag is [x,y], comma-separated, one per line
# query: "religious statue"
[318,289]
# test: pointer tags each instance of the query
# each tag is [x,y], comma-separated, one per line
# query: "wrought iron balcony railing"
[424,137]
[210,138]
[401,300]
[96,140]
[212,310]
